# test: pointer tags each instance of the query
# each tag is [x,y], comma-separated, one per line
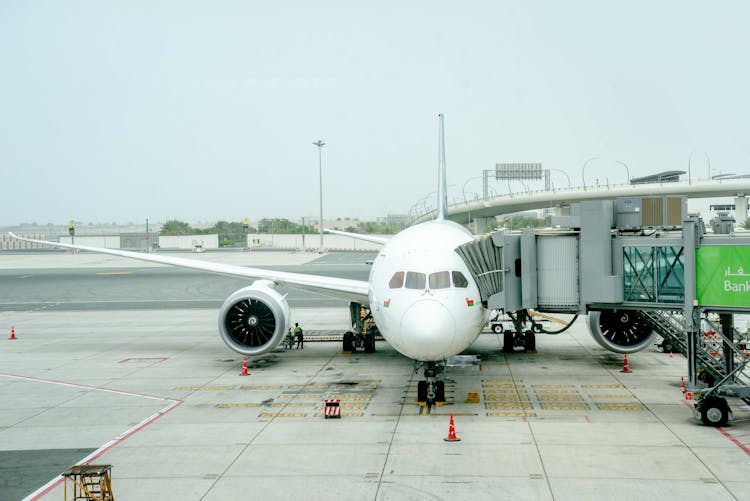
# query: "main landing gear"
[521,338]
[431,391]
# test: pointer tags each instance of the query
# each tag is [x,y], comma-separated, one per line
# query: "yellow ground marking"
[395,414]
[343,414]
[472,397]
[614,406]
[512,395]
[114,272]
[511,414]
[204,388]
[507,405]
[456,414]
[344,405]
[351,397]
[308,387]
[552,385]
[282,414]
[609,395]
[300,396]
[261,387]
[564,406]
[560,398]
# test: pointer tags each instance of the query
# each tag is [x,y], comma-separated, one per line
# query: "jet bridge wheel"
[714,411]
[508,341]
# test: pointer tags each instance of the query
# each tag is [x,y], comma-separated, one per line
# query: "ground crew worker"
[298,336]
[289,340]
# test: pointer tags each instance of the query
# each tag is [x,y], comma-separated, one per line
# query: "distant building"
[670,176]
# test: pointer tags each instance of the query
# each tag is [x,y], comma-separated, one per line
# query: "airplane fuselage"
[422,296]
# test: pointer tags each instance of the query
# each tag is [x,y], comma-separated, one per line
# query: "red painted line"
[55,482]
[77,385]
[736,442]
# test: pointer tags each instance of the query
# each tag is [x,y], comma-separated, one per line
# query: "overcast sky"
[119,111]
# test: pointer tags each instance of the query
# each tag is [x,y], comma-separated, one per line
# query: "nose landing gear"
[431,391]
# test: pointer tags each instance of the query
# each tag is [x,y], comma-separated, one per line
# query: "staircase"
[709,352]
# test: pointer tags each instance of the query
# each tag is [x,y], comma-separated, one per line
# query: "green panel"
[723,276]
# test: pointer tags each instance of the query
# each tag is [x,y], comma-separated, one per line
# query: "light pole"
[583,170]
[319,143]
[563,172]
[626,169]
[463,189]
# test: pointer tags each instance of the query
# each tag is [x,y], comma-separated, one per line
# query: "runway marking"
[174,403]
[107,273]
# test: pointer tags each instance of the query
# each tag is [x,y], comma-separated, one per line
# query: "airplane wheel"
[422,391]
[348,341]
[714,411]
[508,341]
[529,342]
[439,391]
[369,342]
[497,328]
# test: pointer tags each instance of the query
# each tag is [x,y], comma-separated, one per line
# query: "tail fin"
[442,189]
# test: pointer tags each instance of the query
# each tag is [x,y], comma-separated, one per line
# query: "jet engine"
[253,320]
[621,331]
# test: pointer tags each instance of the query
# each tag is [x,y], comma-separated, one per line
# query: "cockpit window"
[440,280]
[459,280]
[415,280]
[397,280]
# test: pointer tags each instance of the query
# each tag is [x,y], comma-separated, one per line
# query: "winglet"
[442,190]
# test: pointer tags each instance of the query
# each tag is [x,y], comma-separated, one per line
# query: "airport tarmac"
[154,392]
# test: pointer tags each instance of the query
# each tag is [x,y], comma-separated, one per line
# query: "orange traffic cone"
[452,432]
[682,384]
[688,396]
[670,354]
[625,366]
[12,332]
[244,367]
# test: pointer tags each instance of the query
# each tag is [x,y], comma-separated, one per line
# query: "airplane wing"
[342,288]
[359,236]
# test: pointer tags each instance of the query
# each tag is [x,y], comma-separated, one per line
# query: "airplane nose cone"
[431,331]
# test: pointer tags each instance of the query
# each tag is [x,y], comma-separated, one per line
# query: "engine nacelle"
[621,331]
[253,320]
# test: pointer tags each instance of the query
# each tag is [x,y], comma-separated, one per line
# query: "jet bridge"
[637,267]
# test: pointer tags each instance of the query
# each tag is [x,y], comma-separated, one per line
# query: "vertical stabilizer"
[442,189]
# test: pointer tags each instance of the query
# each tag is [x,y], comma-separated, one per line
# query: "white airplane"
[422,296]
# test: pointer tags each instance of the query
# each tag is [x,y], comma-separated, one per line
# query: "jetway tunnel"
[637,267]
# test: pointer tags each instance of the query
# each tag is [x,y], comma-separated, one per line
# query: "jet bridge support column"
[690,311]
[727,328]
